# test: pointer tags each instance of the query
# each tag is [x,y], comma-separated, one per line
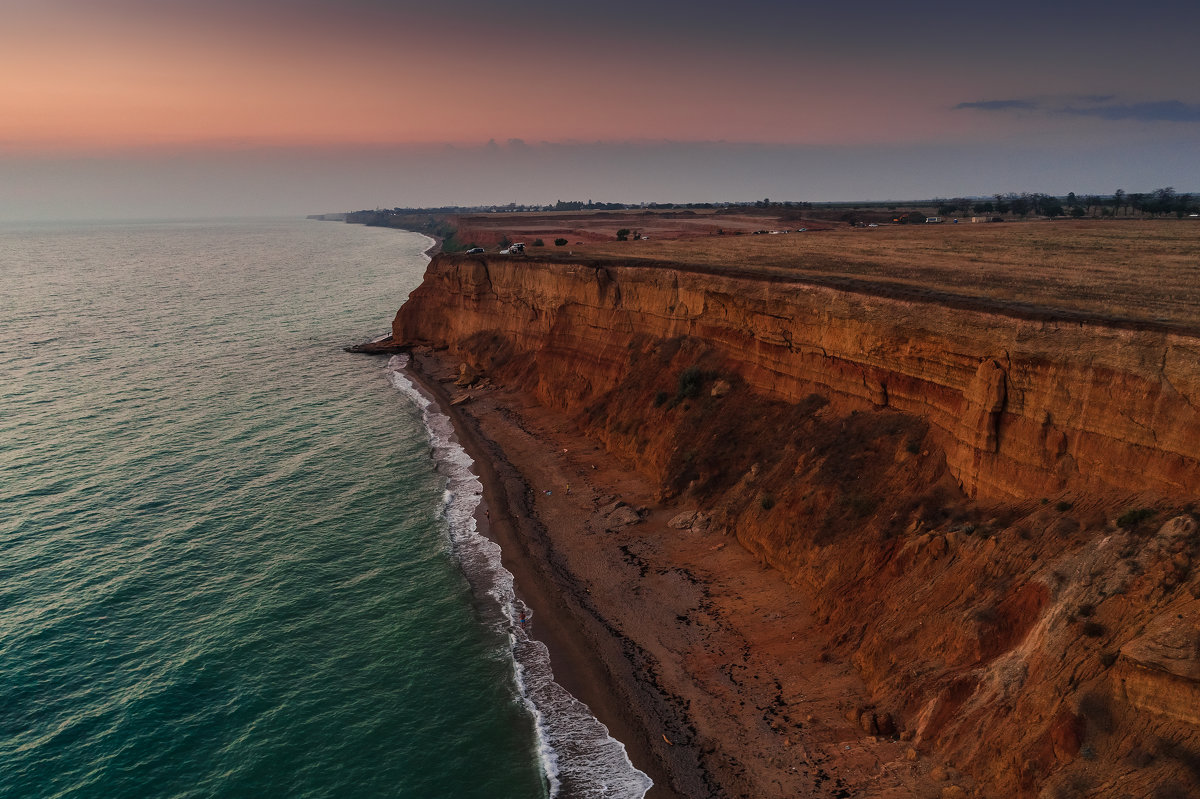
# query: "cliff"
[946,481]
[1021,407]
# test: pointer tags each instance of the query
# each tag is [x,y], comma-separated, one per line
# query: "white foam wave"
[578,756]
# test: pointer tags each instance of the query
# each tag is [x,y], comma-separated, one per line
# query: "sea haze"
[229,568]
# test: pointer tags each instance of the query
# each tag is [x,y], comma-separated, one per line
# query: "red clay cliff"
[989,512]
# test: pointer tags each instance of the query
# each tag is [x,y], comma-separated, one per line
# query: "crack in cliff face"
[1166,381]
[786,335]
[983,407]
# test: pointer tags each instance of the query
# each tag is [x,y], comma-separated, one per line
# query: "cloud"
[1098,106]
[999,105]
[1165,111]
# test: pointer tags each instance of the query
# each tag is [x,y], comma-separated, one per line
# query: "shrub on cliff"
[560,242]
[690,380]
[539,243]
[1132,518]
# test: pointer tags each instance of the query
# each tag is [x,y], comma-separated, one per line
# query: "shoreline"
[702,661]
[574,663]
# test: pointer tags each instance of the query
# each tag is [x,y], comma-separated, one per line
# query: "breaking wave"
[578,756]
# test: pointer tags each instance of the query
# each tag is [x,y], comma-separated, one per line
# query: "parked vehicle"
[516,249]
[475,251]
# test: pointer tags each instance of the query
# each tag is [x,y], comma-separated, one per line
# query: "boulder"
[620,518]
[689,520]
[684,520]
[466,375]
[1178,528]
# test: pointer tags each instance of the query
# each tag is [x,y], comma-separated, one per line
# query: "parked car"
[475,251]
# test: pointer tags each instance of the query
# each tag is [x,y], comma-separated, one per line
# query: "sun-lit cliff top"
[1143,271]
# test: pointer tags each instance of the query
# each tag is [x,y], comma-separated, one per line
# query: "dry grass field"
[1147,271]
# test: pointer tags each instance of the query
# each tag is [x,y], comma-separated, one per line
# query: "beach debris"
[668,740]
[721,388]
[461,399]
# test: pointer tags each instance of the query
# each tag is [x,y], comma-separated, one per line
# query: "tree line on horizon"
[1160,202]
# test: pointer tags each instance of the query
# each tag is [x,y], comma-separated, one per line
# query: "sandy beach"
[705,663]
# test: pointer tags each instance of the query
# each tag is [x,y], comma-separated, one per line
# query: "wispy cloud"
[1165,111]
[999,105]
[1098,106]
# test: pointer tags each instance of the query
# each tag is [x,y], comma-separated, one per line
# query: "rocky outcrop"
[1159,671]
[1022,407]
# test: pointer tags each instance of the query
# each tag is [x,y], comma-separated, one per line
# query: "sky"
[175,108]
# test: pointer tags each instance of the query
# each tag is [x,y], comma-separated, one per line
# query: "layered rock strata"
[1023,407]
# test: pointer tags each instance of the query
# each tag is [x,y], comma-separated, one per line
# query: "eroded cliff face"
[1022,408]
[943,482]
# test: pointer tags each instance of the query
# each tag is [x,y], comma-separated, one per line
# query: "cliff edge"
[1022,408]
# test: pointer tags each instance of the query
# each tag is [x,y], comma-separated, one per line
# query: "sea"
[237,561]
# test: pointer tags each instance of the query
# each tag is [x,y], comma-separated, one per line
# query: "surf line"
[575,751]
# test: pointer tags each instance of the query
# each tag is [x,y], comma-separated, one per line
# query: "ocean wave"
[578,756]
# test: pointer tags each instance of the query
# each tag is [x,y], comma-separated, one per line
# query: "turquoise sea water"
[236,561]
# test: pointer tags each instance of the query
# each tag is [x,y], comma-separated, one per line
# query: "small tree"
[560,242]
[623,234]
[539,243]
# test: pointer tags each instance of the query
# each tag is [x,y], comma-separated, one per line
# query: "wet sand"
[704,662]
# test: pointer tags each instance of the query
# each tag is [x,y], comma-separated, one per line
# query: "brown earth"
[943,490]
[597,227]
[689,648]
[1135,269]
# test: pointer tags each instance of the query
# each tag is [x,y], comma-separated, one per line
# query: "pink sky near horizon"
[137,108]
[73,77]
